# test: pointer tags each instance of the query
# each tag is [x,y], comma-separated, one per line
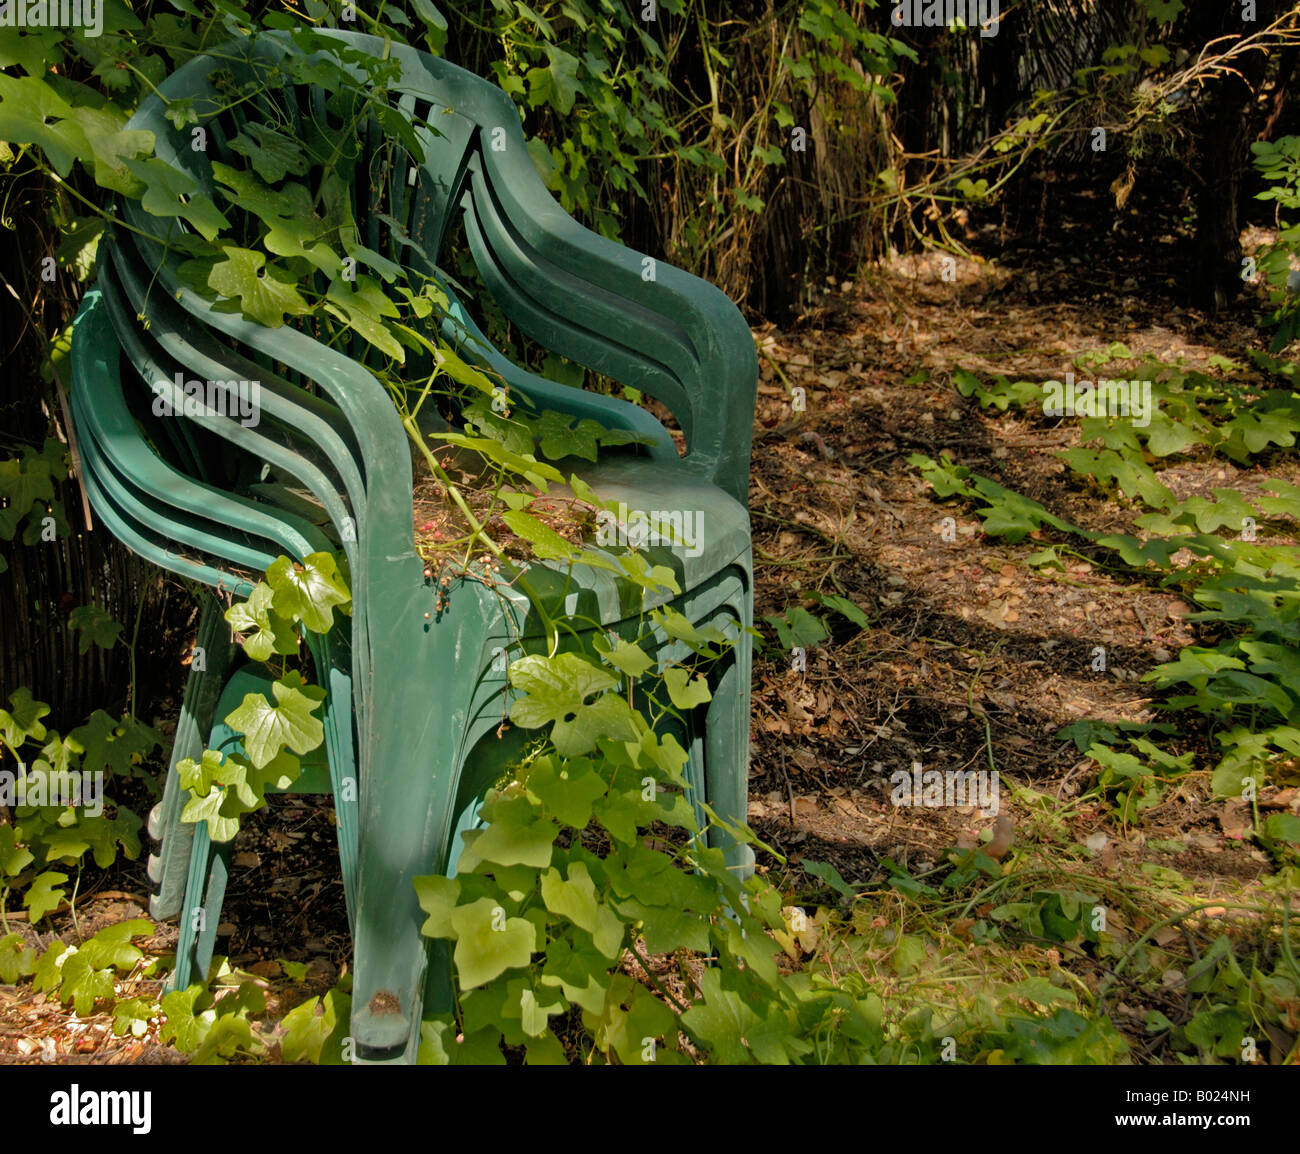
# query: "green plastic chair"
[414,697]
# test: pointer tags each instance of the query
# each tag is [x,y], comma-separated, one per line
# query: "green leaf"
[309,1027]
[308,592]
[17,959]
[828,874]
[547,544]
[95,626]
[797,628]
[514,836]
[558,437]
[112,945]
[845,608]
[1193,664]
[14,858]
[133,1014]
[49,970]
[1283,827]
[575,899]
[362,305]
[439,1047]
[731,1031]
[273,633]
[438,897]
[32,112]
[273,154]
[83,985]
[686,691]
[111,745]
[22,721]
[169,192]
[567,789]
[27,484]
[265,295]
[488,943]
[269,728]
[1286,504]
[44,894]
[631,1018]
[181,1024]
[573,694]
[623,656]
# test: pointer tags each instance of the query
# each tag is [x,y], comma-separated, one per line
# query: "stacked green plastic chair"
[415,697]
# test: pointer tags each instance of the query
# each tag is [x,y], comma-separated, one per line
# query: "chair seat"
[672,501]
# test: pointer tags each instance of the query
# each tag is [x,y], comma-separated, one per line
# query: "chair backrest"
[622,314]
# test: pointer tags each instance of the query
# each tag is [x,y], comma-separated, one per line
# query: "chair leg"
[726,759]
[168,867]
[204,893]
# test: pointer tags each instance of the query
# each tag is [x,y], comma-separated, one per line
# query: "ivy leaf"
[559,438]
[23,720]
[307,1032]
[273,633]
[1283,827]
[32,112]
[516,835]
[17,959]
[567,789]
[44,894]
[733,1032]
[115,746]
[272,153]
[575,899]
[488,944]
[133,1014]
[1168,437]
[845,608]
[1192,665]
[686,691]
[1286,504]
[83,985]
[308,592]
[169,192]
[546,542]
[95,626]
[438,897]
[667,928]
[268,728]
[439,1047]
[362,306]
[537,473]
[631,1015]
[265,295]
[1255,430]
[49,969]
[33,48]
[112,945]
[105,834]
[14,858]
[25,482]
[65,846]
[112,145]
[181,1025]
[624,656]
[797,627]
[199,776]
[557,690]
